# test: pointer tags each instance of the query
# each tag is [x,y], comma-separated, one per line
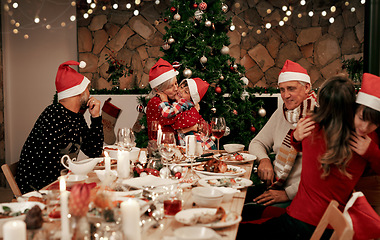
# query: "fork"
[35,189]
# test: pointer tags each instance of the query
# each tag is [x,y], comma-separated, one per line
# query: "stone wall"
[314,42]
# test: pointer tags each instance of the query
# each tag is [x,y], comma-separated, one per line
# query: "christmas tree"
[196,43]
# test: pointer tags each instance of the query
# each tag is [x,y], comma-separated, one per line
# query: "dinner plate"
[231,171]
[232,182]
[25,196]
[185,164]
[186,216]
[246,158]
[99,167]
[20,206]
[148,180]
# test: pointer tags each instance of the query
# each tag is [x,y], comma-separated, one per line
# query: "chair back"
[10,178]
[335,218]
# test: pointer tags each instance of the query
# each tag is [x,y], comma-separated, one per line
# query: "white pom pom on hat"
[82,64]
[69,82]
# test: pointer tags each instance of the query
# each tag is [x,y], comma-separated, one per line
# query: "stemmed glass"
[167,147]
[218,128]
[191,153]
[126,138]
[204,131]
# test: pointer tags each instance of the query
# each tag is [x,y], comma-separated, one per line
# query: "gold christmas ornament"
[203,60]
[171,40]
[224,8]
[262,112]
[225,50]
[208,23]
[187,73]
[177,17]
[166,46]
[198,15]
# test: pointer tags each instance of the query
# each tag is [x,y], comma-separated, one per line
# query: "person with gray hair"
[281,177]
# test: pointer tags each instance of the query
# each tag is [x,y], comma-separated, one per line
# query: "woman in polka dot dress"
[61,129]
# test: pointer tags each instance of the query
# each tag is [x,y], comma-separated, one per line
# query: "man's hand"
[359,144]
[272,196]
[188,129]
[94,107]
[265,171]
[303,129]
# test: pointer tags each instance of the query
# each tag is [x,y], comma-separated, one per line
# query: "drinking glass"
[218,128]
[167,147]
[154,129]
[126,138]
[204,131]
[191,153]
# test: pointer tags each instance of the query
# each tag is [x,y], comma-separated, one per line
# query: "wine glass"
[167,148]
[204,131]
[191,153]
[218,128]
[126,138]
[154,129]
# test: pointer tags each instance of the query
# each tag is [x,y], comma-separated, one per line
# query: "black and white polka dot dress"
[57,131]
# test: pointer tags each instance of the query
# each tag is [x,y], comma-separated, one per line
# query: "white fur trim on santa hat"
[293,76]
[163,78]
[368,100]
[76,90]
[193,90]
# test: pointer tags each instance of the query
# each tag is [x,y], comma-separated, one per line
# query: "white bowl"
[228,193]
[230,148]
[195,233]
[207,197]
[72,179]
[113,150]
[102,173]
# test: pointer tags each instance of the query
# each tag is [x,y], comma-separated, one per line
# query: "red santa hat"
[361,216]
[69,82]
[293,72]
[198,88]
[161,72]
[369,94]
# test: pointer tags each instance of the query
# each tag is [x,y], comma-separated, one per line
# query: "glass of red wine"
[218,128]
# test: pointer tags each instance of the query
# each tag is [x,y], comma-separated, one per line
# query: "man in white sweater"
[283,175]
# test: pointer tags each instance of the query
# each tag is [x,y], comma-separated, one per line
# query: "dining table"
[167,225]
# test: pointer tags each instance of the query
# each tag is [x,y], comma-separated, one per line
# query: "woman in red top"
[331,167]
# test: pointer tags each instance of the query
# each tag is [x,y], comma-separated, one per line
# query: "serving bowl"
[207,197]
[72,179]
[113,152]
[195,233]
[231,148]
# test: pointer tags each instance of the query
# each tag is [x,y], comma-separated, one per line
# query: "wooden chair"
[333,217]
[8,173]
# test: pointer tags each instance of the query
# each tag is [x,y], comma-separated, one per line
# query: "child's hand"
[197,107]
[359,144]
[303,129]
[163,96]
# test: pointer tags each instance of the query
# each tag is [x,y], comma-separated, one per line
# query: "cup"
[53,205]
[172,200]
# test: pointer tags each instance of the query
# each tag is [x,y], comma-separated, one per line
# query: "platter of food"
[235,158]
[232,182]
[219,168]
[208,217]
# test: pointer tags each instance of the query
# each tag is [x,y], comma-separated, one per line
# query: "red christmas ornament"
[172,9]
[232,68]
[195,5]
[176,65]
[202,6]
[253,129]
[235,112]
[165,20]
[218,90]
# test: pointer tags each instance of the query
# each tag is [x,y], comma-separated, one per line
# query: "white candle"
[191,145]
[123,164]
[159,135]
[65,230]
[107,162]
[130,216]
[15,229]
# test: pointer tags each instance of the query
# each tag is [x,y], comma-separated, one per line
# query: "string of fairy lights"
[14,11]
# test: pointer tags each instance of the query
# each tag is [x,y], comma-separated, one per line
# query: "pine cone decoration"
[79,199]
